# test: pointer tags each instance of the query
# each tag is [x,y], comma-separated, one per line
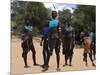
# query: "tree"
[36,10]
[85,17]
[65,15]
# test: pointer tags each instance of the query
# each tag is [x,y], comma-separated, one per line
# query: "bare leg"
[85,59]
[24,54]
[33,54]
[90,56]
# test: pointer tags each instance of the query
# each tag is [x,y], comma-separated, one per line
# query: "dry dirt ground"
[17,64]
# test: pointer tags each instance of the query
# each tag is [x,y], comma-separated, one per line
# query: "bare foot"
[58,69]
[65,65]
[93,65]
[35,64]
[45,69]
[86,65]
[70,64]
[26,66]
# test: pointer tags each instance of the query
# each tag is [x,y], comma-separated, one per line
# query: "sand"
[17,64]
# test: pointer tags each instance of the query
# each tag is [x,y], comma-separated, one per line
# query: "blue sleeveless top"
[53,23]
[28,28]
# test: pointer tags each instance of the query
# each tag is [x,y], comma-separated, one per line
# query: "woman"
[27,43]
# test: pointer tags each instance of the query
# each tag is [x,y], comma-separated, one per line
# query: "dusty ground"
[17,65]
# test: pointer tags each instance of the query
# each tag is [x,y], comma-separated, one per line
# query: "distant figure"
[27,43]
[87,49]
[81,38]
[68,42]
[46,51]
[54,37]
[91,34]
[93,44]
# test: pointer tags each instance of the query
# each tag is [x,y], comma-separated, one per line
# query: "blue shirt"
[68,29]
[28,28]
[91,36]
[53,23]
[45,32]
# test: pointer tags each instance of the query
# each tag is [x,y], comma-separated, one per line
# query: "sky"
[60,6]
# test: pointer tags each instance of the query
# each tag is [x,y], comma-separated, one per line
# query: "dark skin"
[27,45]
[67,51]
[57,48]
[46,53]
[90,54]
[94,49]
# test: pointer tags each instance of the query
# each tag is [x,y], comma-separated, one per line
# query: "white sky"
[60,6]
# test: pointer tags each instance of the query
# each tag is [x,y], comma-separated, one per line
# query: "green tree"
[65,15]
[84,17]
[36,10]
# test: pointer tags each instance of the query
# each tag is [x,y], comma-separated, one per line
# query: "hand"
[63,52]
[41,44]
[22,36]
